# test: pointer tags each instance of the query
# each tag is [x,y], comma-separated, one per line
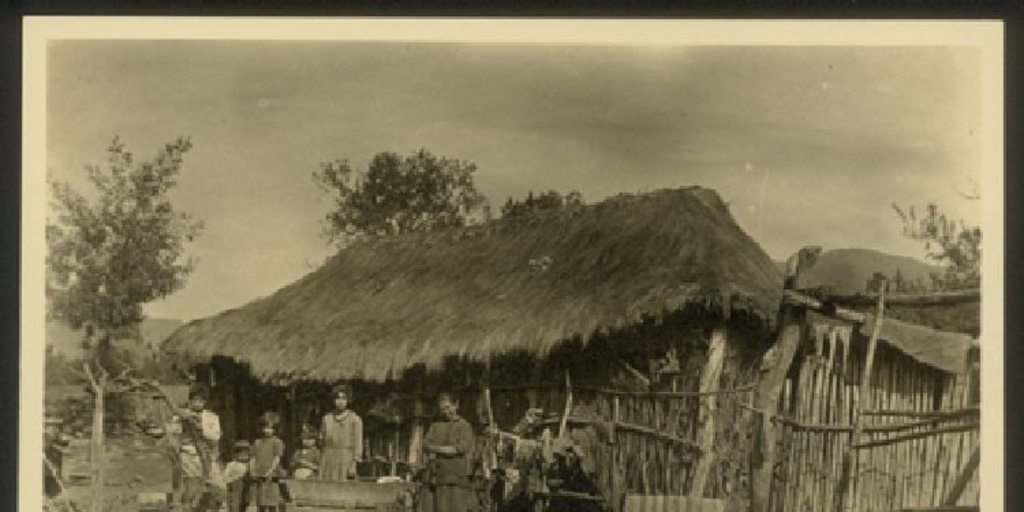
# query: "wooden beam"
[929,299]
[963,427]
[800,300]
[952,413]
[667,394]
[969,508]
[709,378]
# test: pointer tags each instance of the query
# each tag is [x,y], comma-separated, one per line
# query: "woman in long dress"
[342,437]
[448,443]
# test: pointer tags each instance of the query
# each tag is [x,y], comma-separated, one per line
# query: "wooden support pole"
[97,458]
[416,436]
[850,457]
[616,478]
[766,398]
[774,369]
[568,405]
[706,436]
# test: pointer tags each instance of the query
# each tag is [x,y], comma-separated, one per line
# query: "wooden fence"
[916,442]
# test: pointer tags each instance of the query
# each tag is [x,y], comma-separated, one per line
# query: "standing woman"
[448,443]
[342,437]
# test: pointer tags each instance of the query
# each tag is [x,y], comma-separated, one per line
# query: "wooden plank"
[706,437]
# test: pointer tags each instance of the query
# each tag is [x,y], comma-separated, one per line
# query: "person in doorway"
[200,437]
[342,439]
[447,445]
[265,466]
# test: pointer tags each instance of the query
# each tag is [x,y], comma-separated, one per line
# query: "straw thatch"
[944,350]
[385,304]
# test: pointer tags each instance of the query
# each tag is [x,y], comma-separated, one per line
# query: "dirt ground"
[135,464]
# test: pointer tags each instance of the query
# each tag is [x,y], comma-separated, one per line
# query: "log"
[706,436]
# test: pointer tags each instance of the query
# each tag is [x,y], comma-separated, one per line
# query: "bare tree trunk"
[97,457]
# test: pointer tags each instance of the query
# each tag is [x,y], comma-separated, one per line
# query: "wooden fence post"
[774,368]
[416,436]
[706,436]
[766,401]
[850,459]
[617,483]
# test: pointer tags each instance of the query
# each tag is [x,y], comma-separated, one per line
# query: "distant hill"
[67,341]
[846,271]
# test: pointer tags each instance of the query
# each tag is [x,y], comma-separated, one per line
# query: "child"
[306,461]
[265,466]
[342,436]
[237,478]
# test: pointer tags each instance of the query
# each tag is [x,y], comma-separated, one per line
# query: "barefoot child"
[342,435]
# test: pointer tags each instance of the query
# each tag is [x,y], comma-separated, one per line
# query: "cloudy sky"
[808,145]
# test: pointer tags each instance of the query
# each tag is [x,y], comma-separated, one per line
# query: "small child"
[306,461]
[265,466]
[236,476]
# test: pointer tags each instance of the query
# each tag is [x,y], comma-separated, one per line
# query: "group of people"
[253,477]
[254,474]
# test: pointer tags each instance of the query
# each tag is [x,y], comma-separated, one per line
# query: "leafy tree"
[545,201]
[948,241]
[108,256]
[396,195]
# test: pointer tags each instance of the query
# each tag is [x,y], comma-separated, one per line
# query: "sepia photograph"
[287,265]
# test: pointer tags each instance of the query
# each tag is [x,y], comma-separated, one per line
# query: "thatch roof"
[385,304]
[944,350]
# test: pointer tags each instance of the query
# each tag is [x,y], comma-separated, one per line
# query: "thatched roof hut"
[525,284]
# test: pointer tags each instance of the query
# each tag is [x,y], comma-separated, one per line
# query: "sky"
[807,145]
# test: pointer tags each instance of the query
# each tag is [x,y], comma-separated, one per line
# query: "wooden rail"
[974,425]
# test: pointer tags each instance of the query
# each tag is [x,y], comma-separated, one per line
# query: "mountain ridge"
[847,271]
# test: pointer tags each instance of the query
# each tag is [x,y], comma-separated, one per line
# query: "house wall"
[640,435]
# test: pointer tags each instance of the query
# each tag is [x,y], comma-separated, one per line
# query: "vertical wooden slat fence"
[918,435]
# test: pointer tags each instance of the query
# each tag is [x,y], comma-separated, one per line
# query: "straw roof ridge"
[384,304]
